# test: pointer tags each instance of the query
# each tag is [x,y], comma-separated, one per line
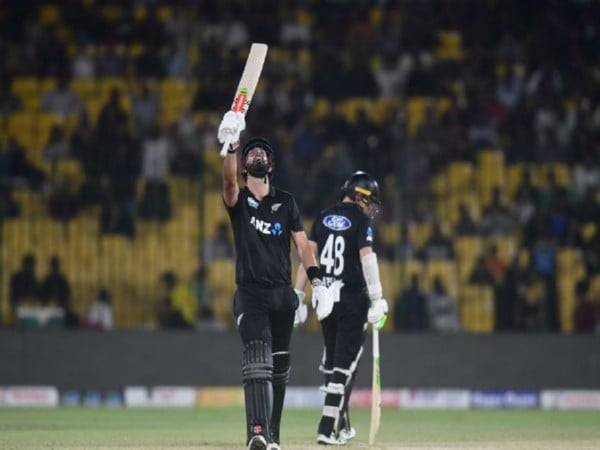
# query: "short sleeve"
[295,220]
[233,211]
[366,233]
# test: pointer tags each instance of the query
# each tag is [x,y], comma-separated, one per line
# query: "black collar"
[272,192]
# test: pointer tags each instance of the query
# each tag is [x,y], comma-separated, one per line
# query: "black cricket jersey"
[340,232]
[262,231]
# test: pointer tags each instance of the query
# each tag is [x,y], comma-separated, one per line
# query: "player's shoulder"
[281,195]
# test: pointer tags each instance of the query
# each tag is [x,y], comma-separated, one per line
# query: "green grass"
[224,429]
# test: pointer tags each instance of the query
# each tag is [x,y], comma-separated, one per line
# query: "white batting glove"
[232,125]
[324,298]
[377,314]
[301,310]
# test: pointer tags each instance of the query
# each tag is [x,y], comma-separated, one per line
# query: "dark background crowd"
[480,119]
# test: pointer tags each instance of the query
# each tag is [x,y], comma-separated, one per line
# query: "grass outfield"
[68,428]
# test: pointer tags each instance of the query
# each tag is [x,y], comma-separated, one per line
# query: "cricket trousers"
[265,320]
[344,333]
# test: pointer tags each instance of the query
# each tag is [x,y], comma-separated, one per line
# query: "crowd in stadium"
[386,87]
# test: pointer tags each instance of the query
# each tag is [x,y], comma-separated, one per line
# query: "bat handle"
[225,147]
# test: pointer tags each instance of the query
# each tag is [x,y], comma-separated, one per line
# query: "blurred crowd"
[439,81]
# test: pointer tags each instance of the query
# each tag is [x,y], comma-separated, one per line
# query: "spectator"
[481,274]
[509,88]
[57,147]
[8,206]
[220,246]
[9,103]
[100,315]
[203,293]
[526,200]
[438,246]
[62,100]
[55,289]
[187,155]
[465,226]
[551,194]
[24,285]
[410,312]
[146,107]
[118,182]
[532,304]
[83,66]
[442,309]
[584,318]
[112,117]
[177,308]
[15,164]
[497,220]
[156,203]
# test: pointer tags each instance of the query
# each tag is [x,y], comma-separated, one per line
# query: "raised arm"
[231,188]
[231,126]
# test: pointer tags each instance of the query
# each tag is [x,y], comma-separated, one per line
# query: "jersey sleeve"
[233,210]
[295,219]
[366,233]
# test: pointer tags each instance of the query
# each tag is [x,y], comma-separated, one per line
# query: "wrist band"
[313,272]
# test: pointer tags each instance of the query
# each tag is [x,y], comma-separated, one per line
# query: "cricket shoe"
[330,440]
[273,446]
[257,442]
[347,433]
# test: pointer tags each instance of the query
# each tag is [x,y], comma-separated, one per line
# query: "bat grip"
[225,147]
[375,343]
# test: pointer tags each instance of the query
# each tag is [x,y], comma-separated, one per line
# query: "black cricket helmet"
[363,189]
[259,170]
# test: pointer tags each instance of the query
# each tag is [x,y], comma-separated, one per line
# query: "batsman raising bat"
[264,220]
[342,237]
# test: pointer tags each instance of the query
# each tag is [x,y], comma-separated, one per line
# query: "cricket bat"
[245,90]
[375,390]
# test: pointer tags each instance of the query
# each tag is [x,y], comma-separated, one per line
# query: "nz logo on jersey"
[275,229]
[275,207]
[337,223]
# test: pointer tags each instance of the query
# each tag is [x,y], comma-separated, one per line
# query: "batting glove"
[377,314]
[232,125]
[301,310]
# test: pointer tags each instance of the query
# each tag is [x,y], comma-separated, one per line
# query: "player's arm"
[301,277]
[306,253]
[231,188]
[370,268]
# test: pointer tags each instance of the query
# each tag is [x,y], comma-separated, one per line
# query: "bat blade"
[248,82]
[375,391]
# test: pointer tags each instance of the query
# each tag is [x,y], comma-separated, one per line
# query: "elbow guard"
[370,270]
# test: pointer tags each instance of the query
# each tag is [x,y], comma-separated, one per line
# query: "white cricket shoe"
[347,433]
[330,440]
[257,442]
[273,446]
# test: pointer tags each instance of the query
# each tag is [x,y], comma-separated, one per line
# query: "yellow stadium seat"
[477,309]
[467,249]
[418,233]
[221,279]
[415,111]
[24,86]
[389,233]
[460,176]
[490,173]
[514,175]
